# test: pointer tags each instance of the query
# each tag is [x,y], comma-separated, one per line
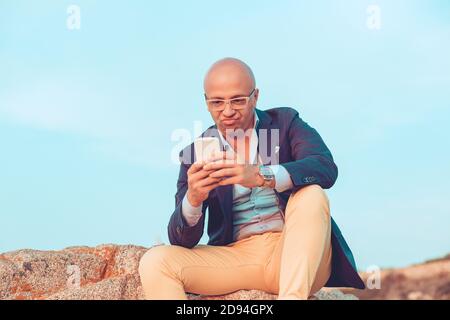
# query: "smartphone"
[205,147]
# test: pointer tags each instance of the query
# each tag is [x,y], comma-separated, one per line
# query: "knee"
[312,195]
[311,191]
[153,260]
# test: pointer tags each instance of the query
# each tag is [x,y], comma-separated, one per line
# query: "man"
[269,222]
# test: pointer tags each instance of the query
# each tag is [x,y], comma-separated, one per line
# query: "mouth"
[229,122]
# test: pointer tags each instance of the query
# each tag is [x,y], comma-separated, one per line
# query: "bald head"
[229,73]
[231,78]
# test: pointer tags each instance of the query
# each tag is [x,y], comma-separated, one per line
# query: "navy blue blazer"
[307,159]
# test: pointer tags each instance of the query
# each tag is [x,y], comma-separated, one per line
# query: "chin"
[231,127]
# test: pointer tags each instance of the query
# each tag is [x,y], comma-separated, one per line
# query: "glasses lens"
[216,104]
[239,103]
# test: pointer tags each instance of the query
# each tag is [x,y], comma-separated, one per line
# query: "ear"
[256,95]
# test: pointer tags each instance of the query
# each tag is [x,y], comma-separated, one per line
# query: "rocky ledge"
[110,272]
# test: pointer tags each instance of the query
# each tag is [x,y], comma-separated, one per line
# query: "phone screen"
[205,147]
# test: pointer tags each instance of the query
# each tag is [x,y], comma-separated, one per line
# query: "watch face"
[266,172]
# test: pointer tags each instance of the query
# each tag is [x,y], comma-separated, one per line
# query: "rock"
[103,272]
[110,272]
[126,287]
[429,280]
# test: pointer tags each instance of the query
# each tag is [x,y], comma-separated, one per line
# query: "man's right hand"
[200,184]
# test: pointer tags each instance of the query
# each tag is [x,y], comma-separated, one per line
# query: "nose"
[228,111]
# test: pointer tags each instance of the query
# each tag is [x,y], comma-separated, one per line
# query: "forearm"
[190,213]
[180,231]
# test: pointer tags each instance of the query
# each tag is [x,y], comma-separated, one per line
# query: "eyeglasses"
[238,103]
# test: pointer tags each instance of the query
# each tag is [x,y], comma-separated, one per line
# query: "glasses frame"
[229,101]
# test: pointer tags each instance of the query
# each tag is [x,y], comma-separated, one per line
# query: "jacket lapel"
[265,133]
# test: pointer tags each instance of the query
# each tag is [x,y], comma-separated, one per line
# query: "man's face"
[229,83]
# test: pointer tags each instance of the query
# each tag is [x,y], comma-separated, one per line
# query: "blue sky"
[86,116]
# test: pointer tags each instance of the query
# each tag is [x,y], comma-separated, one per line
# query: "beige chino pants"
[294,263]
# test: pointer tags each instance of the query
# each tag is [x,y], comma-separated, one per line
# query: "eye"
[215,103]
[239,101]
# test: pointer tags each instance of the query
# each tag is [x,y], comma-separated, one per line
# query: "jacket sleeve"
[180,233]
[313,162]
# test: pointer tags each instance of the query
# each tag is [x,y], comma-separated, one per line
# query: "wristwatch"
[267,174]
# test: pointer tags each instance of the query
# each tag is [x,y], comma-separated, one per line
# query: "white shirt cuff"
[283,179]
[191,214]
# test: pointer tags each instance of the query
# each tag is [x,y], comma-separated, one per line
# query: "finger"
[222,155]
[211,187]
[219,164]
[227,172]
[231,180]
[206,182]
[195,167]
[199,175]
